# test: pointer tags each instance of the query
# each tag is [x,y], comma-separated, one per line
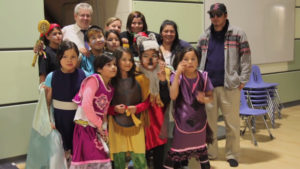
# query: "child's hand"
[200,97]
[162,74]
[85,52]
[181,67]
[38,47]
[125,40]
[100,131]
[131,109]
[52,125]
[121,108]
[103,133]
[203,98]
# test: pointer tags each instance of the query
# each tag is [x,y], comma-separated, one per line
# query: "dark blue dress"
[64,87]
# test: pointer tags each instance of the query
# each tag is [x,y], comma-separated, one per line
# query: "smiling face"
[112,42]
[96,41]
[150,59]
[83,18]
[137,25]
[125,62]
[109,70]
[69,61]
[168,34]
[115,25]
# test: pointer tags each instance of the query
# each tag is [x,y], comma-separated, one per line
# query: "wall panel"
[19,21]
[269,25]
[15,128]
[19,80]
[187,15]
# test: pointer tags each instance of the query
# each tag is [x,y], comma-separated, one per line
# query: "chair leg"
[253,123]
[271,116]
[270,109]
[243,131]
[271,136]
[251,132]
[280,106]
[276,101]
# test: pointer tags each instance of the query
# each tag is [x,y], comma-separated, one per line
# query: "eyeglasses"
[218,14]
[84,15]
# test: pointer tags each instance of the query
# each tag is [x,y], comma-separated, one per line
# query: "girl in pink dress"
[90,133]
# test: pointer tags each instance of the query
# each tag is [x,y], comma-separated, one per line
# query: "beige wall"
[118,8]
[19,23]
[187,15]
[19,81]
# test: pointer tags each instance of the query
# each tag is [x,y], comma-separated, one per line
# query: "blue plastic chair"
[260,99]
[256,87]
[256,81]
[248,114]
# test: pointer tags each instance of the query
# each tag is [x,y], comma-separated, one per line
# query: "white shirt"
[73,33]
[167,56]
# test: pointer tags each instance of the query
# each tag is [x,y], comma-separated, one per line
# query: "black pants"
[157,154]
[181,164]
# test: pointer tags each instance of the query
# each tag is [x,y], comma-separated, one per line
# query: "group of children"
[107,106]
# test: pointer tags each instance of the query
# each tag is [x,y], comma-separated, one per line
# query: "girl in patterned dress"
[90,133]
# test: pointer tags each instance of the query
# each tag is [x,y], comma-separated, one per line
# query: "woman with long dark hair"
[170,42]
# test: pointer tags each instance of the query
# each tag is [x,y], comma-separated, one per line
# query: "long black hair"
[179,56]
[102,60]
[107,33]
[175,44]
[118,53]
[136,14]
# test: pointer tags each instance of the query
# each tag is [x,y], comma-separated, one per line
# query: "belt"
[64,105]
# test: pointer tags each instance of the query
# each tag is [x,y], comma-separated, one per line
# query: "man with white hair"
[75,32]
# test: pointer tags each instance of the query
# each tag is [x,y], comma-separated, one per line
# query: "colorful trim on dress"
[189,148]
[90,162]
[190,132]
[181,156]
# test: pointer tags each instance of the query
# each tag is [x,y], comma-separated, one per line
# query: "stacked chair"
[249,114]
[262,95]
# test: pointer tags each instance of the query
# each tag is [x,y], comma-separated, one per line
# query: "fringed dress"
[126,131]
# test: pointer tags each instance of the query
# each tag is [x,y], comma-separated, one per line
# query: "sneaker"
[233,162]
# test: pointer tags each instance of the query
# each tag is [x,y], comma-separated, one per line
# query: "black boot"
[205,165]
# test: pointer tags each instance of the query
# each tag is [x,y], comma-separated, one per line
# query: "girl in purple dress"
[190,89]
[93,99]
